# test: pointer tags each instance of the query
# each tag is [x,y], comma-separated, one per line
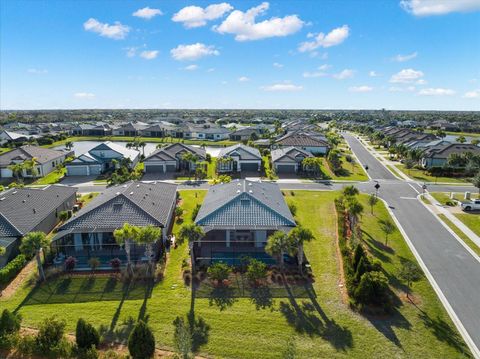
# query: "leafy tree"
[475,141]
[124,236]
[9,323]
[50,334]
[190,233]
[141,342]
[86,335]
[277,245]
[372,201]
[182,338]
[256,270]
[373,289]
[17,170]
[461,139]
[476,181]
[148,236]
[387,227]
[297,237]
[219,271]
[69,145]
[32,245]
[409,272]
[334,158]
[313,164]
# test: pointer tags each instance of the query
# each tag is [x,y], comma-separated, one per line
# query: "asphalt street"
[453,268]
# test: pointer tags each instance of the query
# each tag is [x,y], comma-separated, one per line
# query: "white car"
[473,205]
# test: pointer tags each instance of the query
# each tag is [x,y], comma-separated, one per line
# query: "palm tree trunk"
[127,251]
[41,273]
[300,258]
[192,256]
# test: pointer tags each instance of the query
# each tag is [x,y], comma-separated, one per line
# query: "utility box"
[468,195]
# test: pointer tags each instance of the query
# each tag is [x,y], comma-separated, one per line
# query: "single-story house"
[100,159]
[237,218]
[288,159]
[238,158]
[89,233]
[245,134]
[131,129]
[437,156]
[9,136]
[24,210]
[99,129]
[315,144]
[206,132]
[170,158]
[47,160]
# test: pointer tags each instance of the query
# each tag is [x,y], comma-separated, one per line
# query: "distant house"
[206,132]
[9,136]
[100,159]
[46,158]
[288,159]
[437,156]
[245,134]
[23,210]
[170,158]
[90,232]
[238,158]
[100,129]
[315,144]
[131,129]
[237,218]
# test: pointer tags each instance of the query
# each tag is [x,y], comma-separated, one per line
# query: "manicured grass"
[3,149]
[53,177]
[471,220]
[459,233]
[423,176]
[87,198]
[469,134]
[211,168]
[322,326]
[353,173]
[444,197]
[145,139]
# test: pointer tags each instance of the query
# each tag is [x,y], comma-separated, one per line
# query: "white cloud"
[147,13]
[277,65]
[211,69]
[193,52]
[436,92]
[308,74]
[344,74]
[191,67]
[403,58]
[373,74]
[149,54]
[438,7]
[243,79]
[472,94]
[282,87]
[361,89]
[117,31]
[195,16]
[243,25]
[333,38]
[131,51]
[406,76]
[402,89]
[82,95]
[37,71]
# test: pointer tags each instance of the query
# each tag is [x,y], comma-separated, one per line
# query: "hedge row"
[9,272]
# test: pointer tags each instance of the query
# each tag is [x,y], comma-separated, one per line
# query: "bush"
[141,342]
[63,215]
[208,157]
[70,263]
[94,263]
[182,337]
[219,271]
[90,353]
[373,289]
[9,323]
[9,272]
[86,335]
[292,208]
[50,335]
[256,271]
[26,345]
[115,263]
[195,211]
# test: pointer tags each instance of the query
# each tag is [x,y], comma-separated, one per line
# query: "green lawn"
[459,233]
[322,326]
[423,176]
[471,220]
[353,172]
[51,178]
[444,197]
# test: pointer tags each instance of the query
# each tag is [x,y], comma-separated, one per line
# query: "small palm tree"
[387,227]
[148,236]
[277,245]
[354,209]
[191,233]
[124,236]
[372,201]
[297,237]
[69,145]
[32,245]
[31,165]
[17,170]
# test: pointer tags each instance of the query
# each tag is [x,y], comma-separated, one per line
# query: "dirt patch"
[19,280]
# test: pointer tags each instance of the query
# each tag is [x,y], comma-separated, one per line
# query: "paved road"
[453,268]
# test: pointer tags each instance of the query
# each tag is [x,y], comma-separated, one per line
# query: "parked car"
[473,205]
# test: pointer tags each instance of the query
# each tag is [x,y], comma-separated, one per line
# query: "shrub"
[208,157]
[182,337]
[90,353]
[195,211]
[373,289]
[115,263]
[70,263]
[50,335]
[9,323]
[141,342]
[86,335]
[256,271]
[94,263]
[63,215]
[26,345]
[219,271]
[9,272]
[178,212]
[292,208]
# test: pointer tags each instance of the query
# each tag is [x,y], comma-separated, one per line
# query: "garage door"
[285,169]
[95,170]
[171,168]
[249,166]
[77,171]
[154,169]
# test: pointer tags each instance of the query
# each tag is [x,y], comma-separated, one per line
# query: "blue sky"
[394,54]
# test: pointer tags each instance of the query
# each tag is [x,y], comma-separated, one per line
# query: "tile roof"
[302,140]
[250,153]
[289,154]
[27,152]
[137,203]
[170,152]
[244,204]
[443,151]
[108,145]
[22,209]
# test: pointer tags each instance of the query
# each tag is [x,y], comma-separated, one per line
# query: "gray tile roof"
[170,152]
[27,152]
[108,145]
[22,209]
[301,140]
[137,203]
[246,152]
[244,204]
[288,154]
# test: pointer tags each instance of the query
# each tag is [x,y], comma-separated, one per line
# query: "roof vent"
[34,210]
[138,185]
[2,199]
[250,191]
[23,201]
[14,192]
[131,193]
[239,184]
[118,193]
[249,183]
[238,191]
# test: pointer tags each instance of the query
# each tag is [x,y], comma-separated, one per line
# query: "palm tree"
[31,165]
[354,209]
[148,236]
[277,245]
[350,191]
[17,169]
[461,139]
[142,144]
[190,159]
[372,201]
[191,233]
[69,145]
[124,236]
[387,227]
[297,237]
[32,245]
